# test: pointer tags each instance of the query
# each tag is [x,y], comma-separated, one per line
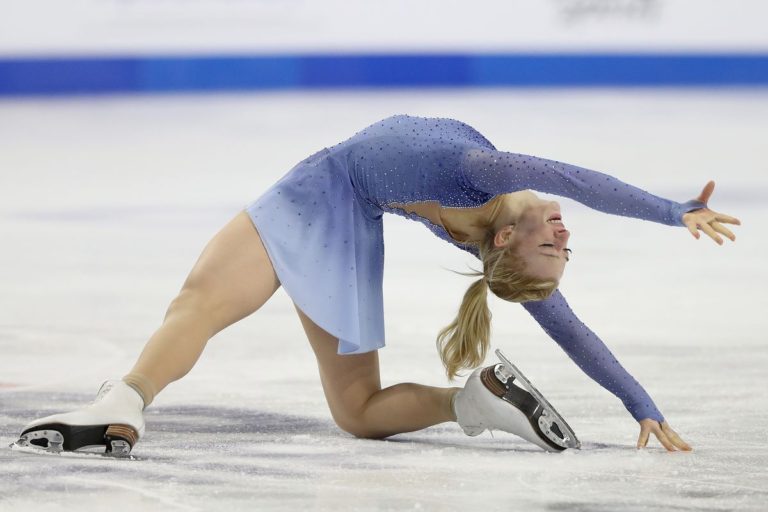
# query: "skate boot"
[491,401]
[110,425]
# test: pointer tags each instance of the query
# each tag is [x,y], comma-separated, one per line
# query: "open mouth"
[555,218]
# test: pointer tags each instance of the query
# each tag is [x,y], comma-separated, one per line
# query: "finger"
[722,229]
[678,442]
[707,191]
[662,437]
[721,217]
[692,228]
[705,227]
[675,438]
[643,439]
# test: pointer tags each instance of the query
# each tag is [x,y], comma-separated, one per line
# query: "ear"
[503,236]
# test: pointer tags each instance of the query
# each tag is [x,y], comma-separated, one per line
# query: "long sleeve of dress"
[500,172]
[589,352]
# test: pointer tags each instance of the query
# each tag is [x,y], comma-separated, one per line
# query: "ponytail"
[464,343]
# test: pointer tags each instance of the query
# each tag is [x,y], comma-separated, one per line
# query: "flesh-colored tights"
[233,278]
[362,409]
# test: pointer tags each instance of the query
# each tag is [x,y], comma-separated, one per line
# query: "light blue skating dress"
[321,224]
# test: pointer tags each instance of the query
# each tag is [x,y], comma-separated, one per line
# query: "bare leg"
[232,278]
[352,387]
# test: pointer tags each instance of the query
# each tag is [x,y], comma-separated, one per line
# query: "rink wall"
[114,46]
[219,73]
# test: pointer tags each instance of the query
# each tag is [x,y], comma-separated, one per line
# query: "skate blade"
[43,441]
[551,423]
[78,454]
[114,441]
[120,439]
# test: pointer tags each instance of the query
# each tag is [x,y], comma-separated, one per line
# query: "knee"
[358,427]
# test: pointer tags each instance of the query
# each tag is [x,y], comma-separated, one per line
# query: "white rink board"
[114,27]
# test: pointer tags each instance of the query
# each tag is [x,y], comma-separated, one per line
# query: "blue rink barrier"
[148,74]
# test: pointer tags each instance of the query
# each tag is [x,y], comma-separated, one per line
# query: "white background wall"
[54,27]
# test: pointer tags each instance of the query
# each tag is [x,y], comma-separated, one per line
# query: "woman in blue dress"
[318,233]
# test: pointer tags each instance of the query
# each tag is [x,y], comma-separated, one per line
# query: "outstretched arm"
[501,172]
[589,352]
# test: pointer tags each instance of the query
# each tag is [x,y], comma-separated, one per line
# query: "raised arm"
[589,352]
[500,172]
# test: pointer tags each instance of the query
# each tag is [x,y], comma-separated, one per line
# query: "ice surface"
[106,203]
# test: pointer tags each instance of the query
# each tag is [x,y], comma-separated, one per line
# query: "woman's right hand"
[708,220]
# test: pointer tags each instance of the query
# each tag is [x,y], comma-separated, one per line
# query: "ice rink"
[106,203]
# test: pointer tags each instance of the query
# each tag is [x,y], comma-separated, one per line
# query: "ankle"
[142,385]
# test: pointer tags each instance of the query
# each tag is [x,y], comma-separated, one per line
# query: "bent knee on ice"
[359,427]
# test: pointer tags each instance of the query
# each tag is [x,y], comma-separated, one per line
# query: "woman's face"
[529,223]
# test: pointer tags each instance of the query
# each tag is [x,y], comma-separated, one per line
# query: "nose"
[561,238]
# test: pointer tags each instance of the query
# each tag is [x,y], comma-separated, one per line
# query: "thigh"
[233,276]
[348,380]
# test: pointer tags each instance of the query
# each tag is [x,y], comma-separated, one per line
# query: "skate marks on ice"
[196,457]
[690,494]
[641,481]
[175,427]
[193,455]
[496,441]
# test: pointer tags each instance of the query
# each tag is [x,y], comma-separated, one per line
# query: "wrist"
[681,209]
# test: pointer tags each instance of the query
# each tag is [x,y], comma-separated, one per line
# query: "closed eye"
[567,250]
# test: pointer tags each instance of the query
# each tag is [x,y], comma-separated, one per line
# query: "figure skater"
[318,232]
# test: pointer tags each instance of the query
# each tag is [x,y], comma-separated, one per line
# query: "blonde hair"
[465,341]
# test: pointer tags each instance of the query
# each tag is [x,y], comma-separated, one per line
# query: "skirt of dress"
[327,250]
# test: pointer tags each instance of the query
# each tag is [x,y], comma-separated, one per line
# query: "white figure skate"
[491,401]
[110,425]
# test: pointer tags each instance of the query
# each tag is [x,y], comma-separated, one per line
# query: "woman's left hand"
[709,220]
[663,433]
